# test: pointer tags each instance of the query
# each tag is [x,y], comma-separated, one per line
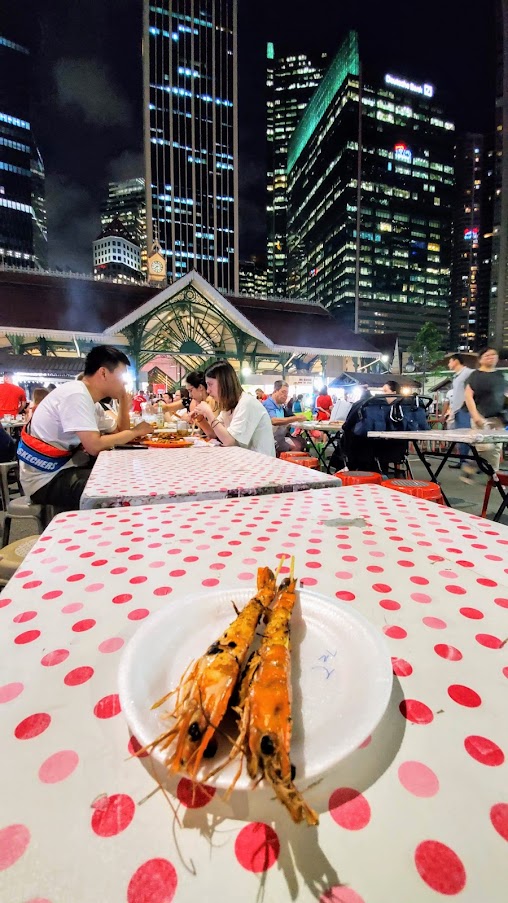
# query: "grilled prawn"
[204,692]
[265,707]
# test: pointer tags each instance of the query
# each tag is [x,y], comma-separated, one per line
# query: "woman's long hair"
[228,384]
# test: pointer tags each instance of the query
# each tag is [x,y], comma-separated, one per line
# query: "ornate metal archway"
[194,331]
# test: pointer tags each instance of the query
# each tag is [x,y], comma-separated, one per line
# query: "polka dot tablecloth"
[155,476]
[418,813]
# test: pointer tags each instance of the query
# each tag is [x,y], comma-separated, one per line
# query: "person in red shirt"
[137,401]
[324,404]
[12,397]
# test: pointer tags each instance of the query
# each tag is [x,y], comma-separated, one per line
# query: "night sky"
[88,89]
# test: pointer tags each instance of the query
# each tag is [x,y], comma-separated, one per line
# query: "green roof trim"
[270,51]
[346,62]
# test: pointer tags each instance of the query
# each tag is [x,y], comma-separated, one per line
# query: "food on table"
[169,434]
[265,721]
[204,692]
[265,707]
[160,442]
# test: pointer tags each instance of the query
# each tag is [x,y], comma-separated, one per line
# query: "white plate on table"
[341,676]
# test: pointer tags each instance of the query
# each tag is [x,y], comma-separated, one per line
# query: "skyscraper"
[23,232]
[126,201]
[370,184]
[253,277]
[290,83]
[191,136]
[116,255]
[472,240]
[498,313]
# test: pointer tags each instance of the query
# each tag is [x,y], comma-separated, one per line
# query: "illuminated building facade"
[472,243]
[23,228]
[290,83]
[370,189]
[126,201]
[191,136]
[116,255]
[253,278]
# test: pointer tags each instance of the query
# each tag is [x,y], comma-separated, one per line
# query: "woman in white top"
[241,419]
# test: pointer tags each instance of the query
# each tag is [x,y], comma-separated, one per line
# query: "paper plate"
[341,676]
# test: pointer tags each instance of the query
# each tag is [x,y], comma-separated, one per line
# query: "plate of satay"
[269,683]
[161,439]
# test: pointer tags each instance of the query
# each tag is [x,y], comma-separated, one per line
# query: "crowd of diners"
[67,426]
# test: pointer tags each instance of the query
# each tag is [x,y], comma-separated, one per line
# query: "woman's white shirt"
[250,426]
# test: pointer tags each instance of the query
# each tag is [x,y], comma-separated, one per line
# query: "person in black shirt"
[485,397]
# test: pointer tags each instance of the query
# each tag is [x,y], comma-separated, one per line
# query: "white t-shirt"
[63,413]
[250,425]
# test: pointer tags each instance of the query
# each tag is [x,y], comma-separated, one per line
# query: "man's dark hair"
[104,356]
[457,357]
[392,385]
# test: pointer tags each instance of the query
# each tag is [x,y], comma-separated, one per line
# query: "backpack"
[408,417]
[372,417]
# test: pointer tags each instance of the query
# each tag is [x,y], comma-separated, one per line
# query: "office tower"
[472,237]
[116,255]
[369,200]
[126,201]
[253,278]
[23,230]
[290,83]
[191,136]
[498,312]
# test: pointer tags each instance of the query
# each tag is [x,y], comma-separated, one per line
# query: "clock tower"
[156,266]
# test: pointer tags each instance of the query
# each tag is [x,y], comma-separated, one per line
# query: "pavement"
[464,497]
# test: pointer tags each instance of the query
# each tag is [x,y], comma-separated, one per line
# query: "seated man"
[58,447]
[274,404]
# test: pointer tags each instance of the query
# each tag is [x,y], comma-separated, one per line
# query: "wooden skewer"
[281,562]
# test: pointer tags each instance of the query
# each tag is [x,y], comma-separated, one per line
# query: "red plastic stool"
[307,461]
[503,479]
[288,456]
[420,489]
[358,477]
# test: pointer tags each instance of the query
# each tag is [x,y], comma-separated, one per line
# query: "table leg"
[312,444]
[432,475]
[486,468]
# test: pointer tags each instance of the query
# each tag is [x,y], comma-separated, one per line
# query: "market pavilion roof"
[43,313]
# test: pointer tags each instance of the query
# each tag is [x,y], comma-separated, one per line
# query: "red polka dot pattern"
[78,676]
[14,840]
[32,726]
[257,847]
[112,814]
[484,750]
[192,795]
[401,668]
[429,578]
[349,809]
[153,882]
[416,711]
[499,819]
[464,696]
[440,867]
[108,706]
